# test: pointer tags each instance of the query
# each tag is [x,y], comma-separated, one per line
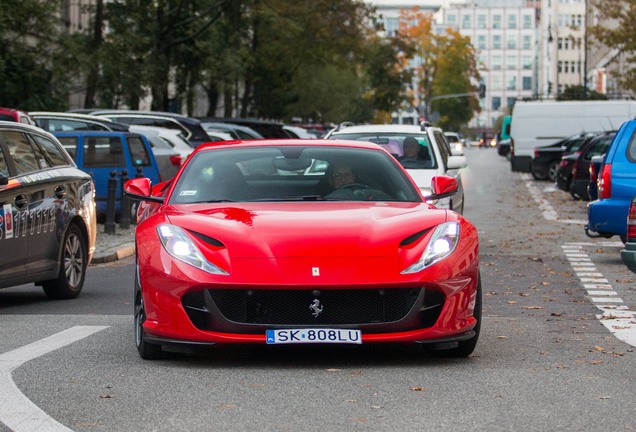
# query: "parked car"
[597,146]
[16,115]
[545,163]
[595,168]
[433,144]
[65,122]
[456,142]
[298,132]
[628,254]
[616,186]
[267,129]
[234,130]
[191,127]
[172,138]
[228,254]
[168,159]
[47,217]
[100,153]
[573,175]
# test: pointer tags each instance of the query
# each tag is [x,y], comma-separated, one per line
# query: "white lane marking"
[16,411]
[616,316]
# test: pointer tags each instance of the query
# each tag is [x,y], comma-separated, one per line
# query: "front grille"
[223,309]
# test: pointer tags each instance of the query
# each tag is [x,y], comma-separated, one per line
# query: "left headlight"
[442,243]
[179,245]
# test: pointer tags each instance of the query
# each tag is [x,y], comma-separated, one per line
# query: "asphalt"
[113,247]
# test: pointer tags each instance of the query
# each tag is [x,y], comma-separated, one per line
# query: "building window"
[496,103]
[481,42]
[527,42]
[495,82]
[481,21]
[496,62]
[527,21]
[512,21]
[496,21]
[559,66]
[467,21]
[451,19]
[496,42]
[510,101]
[526,83]
[511,62]
[511,83]
[512,42]
[526,62]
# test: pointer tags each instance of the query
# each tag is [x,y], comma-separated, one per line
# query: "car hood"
[300,230]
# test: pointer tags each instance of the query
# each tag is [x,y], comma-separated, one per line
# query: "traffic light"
[482,90]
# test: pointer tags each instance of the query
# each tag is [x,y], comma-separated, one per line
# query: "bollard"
[109,225]
[124,206]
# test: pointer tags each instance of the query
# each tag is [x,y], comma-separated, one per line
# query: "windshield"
[287,173]
[414,151]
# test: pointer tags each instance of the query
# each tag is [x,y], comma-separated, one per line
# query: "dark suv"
[47,213]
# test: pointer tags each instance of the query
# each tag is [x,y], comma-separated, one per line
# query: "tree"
[616,28]
[576,92]
[444,64]
[29,35]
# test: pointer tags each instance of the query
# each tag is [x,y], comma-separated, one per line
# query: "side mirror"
[457,162]
[140,189]
[442,187]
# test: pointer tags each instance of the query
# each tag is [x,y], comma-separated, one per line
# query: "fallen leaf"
[512,302]
[502,337]
[417,388]
[604,397]
[333,370]
[105,397]
[532,307]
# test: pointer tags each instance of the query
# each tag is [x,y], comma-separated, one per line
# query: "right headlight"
[442,243]
[179,245]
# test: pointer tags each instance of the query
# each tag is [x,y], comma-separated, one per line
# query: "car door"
[13,246]
[100,155]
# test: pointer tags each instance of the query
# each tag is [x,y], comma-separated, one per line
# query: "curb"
[114,256]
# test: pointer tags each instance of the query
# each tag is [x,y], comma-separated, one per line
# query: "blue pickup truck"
[607,215]
[101,152]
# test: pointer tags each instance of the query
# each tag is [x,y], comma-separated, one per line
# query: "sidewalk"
[113,247]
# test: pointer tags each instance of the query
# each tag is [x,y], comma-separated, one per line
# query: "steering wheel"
[353,186]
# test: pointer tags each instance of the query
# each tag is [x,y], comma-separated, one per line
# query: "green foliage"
[578,92]
[263,58]
[616,28]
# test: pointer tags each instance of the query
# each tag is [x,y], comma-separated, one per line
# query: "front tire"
[147,351]
[73,263]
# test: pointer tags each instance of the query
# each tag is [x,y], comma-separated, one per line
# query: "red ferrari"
[301,241]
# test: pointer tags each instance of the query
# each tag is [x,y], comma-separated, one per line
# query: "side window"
[70,145]
[138,151]
[52,151]
[22,152]
[103,152]
[443,147]
[4,168]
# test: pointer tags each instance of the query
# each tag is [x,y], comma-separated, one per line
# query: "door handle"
[20,200]
[60,192]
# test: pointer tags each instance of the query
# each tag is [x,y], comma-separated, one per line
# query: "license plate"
[292,336]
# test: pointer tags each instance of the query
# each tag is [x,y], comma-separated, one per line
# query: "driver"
[341,175]
[343,181]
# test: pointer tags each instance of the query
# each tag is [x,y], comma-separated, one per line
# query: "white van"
[541,123]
